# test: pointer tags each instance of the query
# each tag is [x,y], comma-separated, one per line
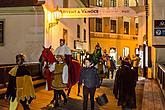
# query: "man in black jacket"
[90,79]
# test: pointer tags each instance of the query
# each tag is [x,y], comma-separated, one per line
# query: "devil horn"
[50,47]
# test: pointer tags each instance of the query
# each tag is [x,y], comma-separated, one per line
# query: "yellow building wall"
[119,44]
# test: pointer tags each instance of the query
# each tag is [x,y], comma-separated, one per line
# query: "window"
[126,3]
[113,26]
[65,36]
[1,32]
[99,3]
[126,27]
[125,51]
[98,25]
[78,31]
[84,35]
[112,3]
[137,28]
[65,3]
[84,20]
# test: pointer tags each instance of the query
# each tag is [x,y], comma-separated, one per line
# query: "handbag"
[102,100]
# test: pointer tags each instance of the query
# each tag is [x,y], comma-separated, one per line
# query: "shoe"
[65,101]
[52,101]
[56,105]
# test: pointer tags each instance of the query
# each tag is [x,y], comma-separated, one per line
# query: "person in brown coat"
[60,78]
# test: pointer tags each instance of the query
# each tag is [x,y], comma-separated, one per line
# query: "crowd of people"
[97,66]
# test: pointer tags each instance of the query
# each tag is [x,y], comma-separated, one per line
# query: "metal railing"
[161,77]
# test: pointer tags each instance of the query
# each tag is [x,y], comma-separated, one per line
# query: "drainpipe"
[145,44]
[89,28]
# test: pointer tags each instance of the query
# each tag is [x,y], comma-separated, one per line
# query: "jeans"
[87,91]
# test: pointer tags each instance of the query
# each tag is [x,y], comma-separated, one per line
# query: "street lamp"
[57,14]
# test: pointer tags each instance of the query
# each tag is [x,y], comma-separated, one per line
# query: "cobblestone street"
[75,102]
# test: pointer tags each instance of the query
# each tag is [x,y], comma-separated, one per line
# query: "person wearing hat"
[60,78]
[20,87]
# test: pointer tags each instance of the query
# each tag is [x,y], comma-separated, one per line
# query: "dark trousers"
[112,72]
[57,94]
[87,91]
[136,72]
[25,105]
[79,85]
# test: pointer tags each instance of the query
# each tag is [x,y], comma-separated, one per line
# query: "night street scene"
[82,55]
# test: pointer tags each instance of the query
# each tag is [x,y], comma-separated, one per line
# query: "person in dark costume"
[90,81]
[101,69]
[124,86]
[20,87]
[96,54]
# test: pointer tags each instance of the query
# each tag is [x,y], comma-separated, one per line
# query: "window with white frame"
[113,26]
[126,3]
[1,32]
[112,3]
[99,3]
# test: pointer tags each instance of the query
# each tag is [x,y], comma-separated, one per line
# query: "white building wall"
[56,33]
[23,33]
[158,14]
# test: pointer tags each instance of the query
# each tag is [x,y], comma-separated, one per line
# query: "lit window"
[112,3]
[126,3]
[99,3]
[125,51]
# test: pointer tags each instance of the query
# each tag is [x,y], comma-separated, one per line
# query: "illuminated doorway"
[125,51]
[113,53]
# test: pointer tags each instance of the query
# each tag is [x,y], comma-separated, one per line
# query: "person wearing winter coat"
[124,86]
[90,81]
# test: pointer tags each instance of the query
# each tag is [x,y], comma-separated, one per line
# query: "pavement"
[43,98]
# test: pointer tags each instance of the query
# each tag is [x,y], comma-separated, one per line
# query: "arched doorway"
[125,51]
[113,53]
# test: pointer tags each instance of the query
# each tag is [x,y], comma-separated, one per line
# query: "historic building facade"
[118,35]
